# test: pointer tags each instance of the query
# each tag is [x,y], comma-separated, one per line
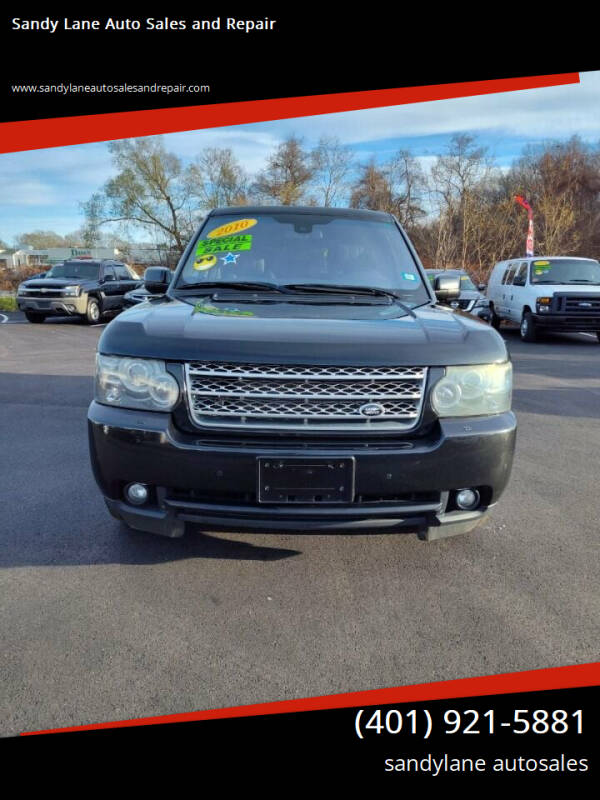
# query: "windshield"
[74,270]
[288,248]
[565,271]
[466,284]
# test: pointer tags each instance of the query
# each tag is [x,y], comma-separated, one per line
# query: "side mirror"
[482,287]
[157,280]
[446,288]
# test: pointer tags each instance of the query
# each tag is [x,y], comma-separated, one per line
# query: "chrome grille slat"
[241,387]
[246,407]
[302,371]
[301,396]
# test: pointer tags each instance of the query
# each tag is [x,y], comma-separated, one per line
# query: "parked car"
[546,293]
[471,299]
[86,288]
[141,294]
[300,374]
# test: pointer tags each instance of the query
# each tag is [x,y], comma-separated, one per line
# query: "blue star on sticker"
[230,258]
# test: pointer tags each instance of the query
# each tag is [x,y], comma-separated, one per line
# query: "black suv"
[78,287]
[300,374]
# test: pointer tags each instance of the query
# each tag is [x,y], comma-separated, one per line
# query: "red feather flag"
[522,202]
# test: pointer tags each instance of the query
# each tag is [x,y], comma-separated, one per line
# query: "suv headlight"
[135,383]
[71,291]
[473,391]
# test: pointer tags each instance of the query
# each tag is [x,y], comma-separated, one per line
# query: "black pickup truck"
[301,374]
[86,288]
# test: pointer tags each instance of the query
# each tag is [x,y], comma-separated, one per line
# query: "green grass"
[8,303]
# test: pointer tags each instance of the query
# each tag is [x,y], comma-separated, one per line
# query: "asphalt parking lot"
[101,624]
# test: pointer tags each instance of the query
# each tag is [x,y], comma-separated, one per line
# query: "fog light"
[467,498]
[136,493]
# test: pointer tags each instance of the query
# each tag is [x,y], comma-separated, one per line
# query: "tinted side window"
[122,274]
[521,277]
[509,275]
[109,274]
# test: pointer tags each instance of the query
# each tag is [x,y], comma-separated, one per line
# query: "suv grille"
[304,397]
[35,292]
[464,303]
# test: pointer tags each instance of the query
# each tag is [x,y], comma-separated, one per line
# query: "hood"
[54,283]
[302,334]
[548,289]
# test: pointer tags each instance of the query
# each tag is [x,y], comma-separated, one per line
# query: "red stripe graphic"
[35,134]
[511,682]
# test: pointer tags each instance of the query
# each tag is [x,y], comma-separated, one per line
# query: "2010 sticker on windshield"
[232,227]
[225,244]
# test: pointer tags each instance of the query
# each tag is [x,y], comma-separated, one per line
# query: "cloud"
[559,111]
[29,192]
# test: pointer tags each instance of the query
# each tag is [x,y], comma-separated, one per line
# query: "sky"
[44,189]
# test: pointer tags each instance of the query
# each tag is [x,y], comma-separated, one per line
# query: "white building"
[46,257]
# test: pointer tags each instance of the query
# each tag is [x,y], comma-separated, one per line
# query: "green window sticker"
[227,244]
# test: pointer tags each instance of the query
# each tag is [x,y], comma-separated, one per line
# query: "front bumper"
[407,485]
[567,322]
[60,306]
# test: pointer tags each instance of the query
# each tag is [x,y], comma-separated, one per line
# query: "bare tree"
[455,177]
[152,190]
[332,164]
[372,189]
[218,179]
[287,176]
[396,186]
[40,239]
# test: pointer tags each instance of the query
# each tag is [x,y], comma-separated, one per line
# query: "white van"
[557,293]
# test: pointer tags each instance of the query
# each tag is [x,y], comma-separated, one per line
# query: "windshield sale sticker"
[232,227]
[226,244]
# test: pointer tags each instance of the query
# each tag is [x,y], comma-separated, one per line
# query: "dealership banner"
[80,95]
[541,723]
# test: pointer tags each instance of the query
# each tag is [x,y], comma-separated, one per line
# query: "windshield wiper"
[342,288]
[243,285]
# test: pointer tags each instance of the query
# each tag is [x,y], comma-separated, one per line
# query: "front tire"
[93,313]
[528,329]
[31,317]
